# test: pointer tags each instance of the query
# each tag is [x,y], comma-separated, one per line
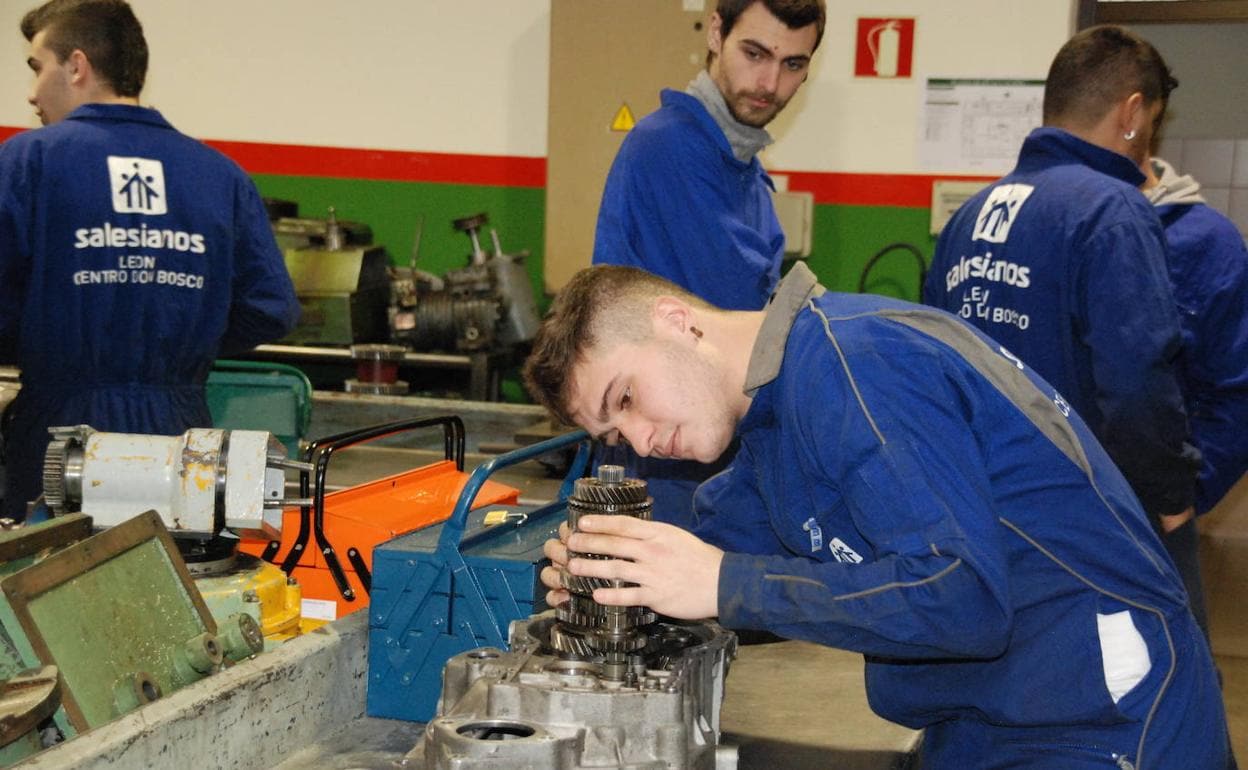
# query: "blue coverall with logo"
[1063,262]
[908,489]
[131,256]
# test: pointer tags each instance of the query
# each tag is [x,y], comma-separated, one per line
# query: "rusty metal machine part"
[377,370]
[119,617]
[26,699]
[532,708]
[587,629]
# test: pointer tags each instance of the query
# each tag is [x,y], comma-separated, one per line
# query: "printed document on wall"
[975,125]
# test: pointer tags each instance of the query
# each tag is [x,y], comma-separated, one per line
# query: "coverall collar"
[795,289]
[702,118]
[127,112]
[1173,188]
[1048,142]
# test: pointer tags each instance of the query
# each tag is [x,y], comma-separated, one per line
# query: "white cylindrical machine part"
[200,482]
[126,474]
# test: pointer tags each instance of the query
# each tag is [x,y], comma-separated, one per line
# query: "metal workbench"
[788,704]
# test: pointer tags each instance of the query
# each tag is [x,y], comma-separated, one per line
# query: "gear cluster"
[586,629]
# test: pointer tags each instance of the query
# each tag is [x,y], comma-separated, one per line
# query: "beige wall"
[1211,63]
[457,76]
[842,123]
[469,76]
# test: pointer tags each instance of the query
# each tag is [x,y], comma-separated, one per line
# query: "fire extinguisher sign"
[885,48]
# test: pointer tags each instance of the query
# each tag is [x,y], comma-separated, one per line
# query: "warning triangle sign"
[623,120]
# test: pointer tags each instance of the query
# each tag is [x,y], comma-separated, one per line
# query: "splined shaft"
[587,629]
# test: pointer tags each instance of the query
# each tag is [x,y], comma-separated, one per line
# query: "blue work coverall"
[1208,264]
[1063,262]
[679,204]
[131,256]
[908,489]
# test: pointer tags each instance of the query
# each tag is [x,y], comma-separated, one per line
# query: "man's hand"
[557,552]
[676,573]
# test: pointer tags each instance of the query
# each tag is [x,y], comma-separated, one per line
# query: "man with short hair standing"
[131,255]
[1063,262]
[687,198]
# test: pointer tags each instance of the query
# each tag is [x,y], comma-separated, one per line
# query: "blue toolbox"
[458,585]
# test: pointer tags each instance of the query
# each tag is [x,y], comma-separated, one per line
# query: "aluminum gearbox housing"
[531,708]
[587,685]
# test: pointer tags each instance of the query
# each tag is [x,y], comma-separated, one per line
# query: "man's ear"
[672,316]
[1132,115]
[714,40]
[78,66]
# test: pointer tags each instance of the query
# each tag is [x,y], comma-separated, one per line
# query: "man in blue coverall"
[905,488]
[1208,267]
[131,255]
[687,198]
[1064,262]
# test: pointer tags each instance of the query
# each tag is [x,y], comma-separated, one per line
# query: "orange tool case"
[353,521]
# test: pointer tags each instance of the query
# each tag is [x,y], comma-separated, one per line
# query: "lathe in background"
[477,319]
[341,278]
[485,305]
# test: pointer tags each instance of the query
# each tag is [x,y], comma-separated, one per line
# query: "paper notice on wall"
[977,126]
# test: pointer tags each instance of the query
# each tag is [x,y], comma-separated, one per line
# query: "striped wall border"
[853,189]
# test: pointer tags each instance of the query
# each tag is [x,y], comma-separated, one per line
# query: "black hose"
[918,256]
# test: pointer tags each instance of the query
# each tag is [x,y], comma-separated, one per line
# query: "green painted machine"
[100,625]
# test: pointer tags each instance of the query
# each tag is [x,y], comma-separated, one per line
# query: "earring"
[1129,135]
[696,331]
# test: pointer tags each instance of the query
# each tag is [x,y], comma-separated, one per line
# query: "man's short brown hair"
[601,306]
[794,13]
[1098,68]
[106,31]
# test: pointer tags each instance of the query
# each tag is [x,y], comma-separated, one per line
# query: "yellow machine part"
[264,588]
[280,602]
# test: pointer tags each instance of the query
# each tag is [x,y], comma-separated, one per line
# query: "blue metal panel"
[456,586]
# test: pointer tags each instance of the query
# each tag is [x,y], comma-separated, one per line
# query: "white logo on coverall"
[116,254]
[999,212]
[138,185]
[842,552]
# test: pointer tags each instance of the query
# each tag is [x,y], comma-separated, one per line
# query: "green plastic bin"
[257,395]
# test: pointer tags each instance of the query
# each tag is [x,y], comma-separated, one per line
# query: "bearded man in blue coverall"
[130,254]
[905,488]
[687,198]
[1064,262]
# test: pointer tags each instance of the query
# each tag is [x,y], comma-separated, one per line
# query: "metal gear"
[586,629]
[62,463]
